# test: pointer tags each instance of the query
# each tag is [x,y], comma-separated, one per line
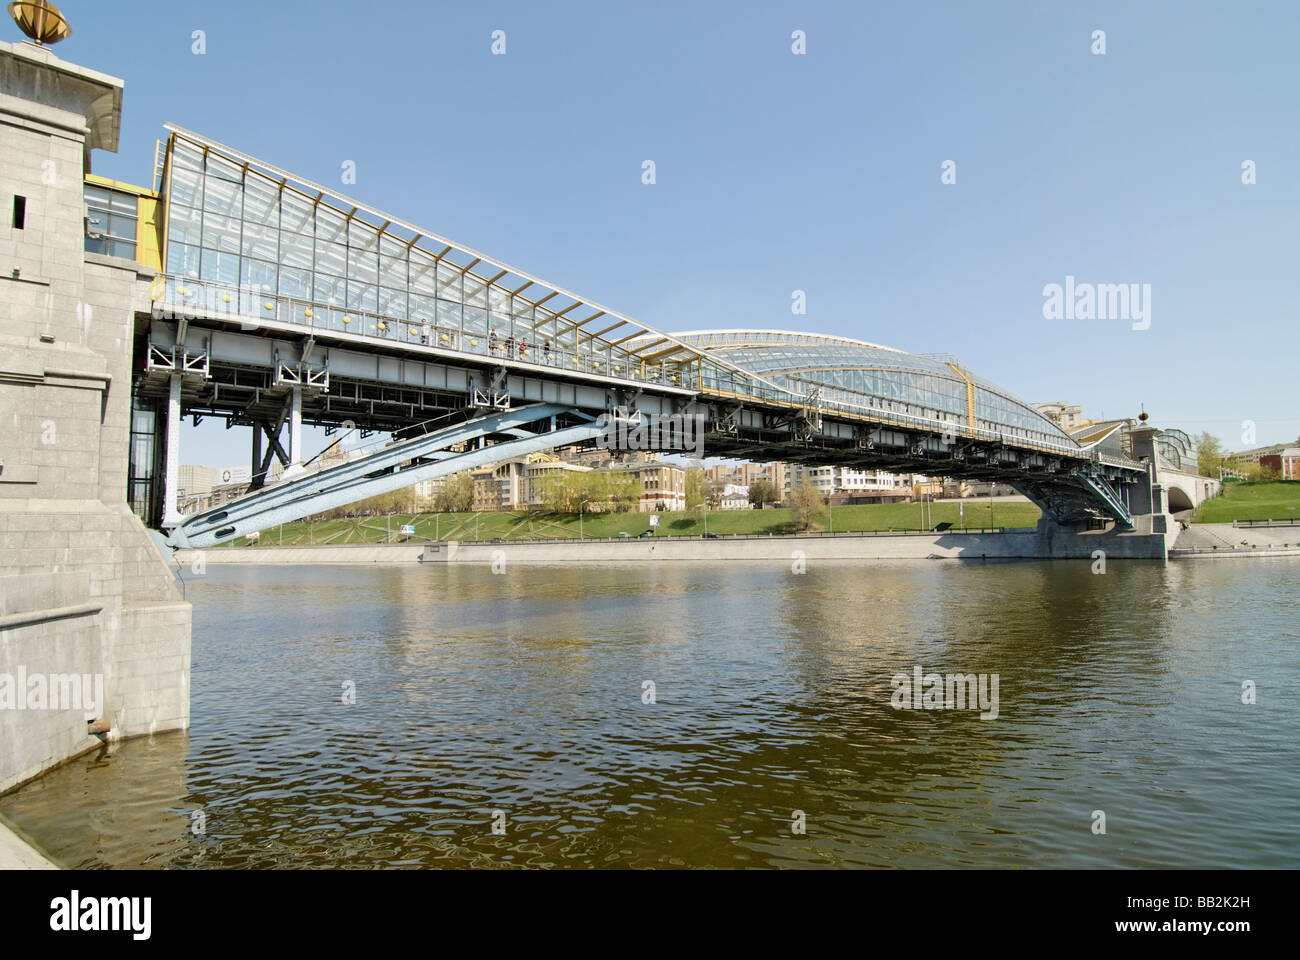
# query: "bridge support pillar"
[256,465]
[294,466]
[171,477]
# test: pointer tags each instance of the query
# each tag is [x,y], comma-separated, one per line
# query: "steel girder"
[394,467]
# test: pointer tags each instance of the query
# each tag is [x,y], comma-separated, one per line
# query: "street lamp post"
[992,488]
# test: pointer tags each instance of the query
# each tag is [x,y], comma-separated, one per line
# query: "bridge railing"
[176,297]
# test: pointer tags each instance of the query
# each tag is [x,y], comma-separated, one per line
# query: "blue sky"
[819,172]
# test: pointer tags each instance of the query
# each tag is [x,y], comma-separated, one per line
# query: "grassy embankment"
[1263,500]
[553,526]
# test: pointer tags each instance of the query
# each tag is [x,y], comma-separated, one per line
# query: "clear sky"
[818,172]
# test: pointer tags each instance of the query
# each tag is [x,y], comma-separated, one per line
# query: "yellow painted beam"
[148,246]
[970,395]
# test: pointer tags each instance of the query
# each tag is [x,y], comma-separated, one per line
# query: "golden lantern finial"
[40,20]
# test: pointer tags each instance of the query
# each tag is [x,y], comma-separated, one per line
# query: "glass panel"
[221,196]
[361,236]
[122,227]
[263,242]
[296,250]
[392,303]
[363,297]
[425,308]
[331,290]
[475,320]
[424,273]
[296,213]
[499,306]
[186,155]
[295,283]
[219,267]
[221,233]
[183,260]
[219,167]
[448,313]
[185,225]
[261,200]
[475,291]
[331,258]
[261,276]
[330,225]
[392,273]
[187,187]
[363,265]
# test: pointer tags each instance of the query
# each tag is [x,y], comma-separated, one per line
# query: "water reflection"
[523,694]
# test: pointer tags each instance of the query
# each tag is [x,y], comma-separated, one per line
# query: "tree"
[806,506]
[557,492]
[1209,455]
[623,489]
[761,491]
[697,488]
[456,494]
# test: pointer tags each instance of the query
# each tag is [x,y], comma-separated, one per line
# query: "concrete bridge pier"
[94,634]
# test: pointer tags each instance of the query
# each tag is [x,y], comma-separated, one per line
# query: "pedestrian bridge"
[279,302]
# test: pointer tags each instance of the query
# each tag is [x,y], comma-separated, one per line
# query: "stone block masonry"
[93,626]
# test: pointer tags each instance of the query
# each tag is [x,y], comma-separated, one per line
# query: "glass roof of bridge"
[238,221]
[236,224]
[878,376]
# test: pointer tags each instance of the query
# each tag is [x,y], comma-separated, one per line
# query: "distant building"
[1286,462]
[535,475]
[1065,415]
[195,481]
[510,484]
[663,486]
[831,479]
[598,458]
[734,497]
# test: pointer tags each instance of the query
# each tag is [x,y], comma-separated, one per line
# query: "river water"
[502,720]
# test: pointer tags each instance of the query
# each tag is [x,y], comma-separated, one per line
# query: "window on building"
[110,222]
[20,212]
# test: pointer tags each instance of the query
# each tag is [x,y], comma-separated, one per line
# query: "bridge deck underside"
[241,381]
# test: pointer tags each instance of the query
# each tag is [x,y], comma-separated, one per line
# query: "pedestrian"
[424,332]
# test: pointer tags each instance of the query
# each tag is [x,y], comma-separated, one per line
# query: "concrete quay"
[1231,540]
[16,853]
[1044,542]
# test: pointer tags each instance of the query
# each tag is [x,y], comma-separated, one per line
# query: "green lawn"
[1266,500]
[552,526]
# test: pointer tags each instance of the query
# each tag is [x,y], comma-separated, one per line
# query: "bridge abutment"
[92,625]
